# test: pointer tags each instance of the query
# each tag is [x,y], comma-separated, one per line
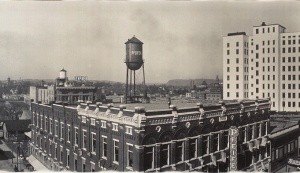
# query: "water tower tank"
[134,53]
[63,74]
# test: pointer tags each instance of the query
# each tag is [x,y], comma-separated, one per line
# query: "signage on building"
[233,133]
[81,78]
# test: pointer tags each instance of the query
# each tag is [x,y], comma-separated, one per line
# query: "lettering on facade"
[233,132]
[136,52]
[222,118]
[81,78]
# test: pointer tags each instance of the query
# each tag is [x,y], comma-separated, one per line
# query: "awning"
[189,165]
[255,168]
[263,165]
[223,156]
[250,145]
[257,143]
[213,159]
[201,160]
[293,162]
[38,166]
[263,141]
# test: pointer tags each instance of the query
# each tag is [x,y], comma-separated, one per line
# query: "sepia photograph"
[150,86]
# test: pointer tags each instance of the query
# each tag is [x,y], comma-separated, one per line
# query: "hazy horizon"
[182,40]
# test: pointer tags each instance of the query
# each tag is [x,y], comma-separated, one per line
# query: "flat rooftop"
[163,104]
[156,106]
[279,122]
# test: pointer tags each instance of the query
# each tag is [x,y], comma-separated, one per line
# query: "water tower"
[62,79]
[134,61]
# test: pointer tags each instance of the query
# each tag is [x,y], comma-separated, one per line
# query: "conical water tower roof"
[63,70]
[134,40]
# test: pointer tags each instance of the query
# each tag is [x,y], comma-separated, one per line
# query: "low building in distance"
[63,92]
[217,138]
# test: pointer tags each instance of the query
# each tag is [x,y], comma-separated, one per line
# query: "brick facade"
[96,137]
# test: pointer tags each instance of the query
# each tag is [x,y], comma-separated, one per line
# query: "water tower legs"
[126,87]
[130,88]
[134,82]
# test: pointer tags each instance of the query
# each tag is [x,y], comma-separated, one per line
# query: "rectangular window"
[225,140]
[46,124]
[83,164]
[69,132]
[61,130]
[68,157]
[49,147]
[103,124]
[93,121]
[84,139]
[258,130]
[205,145]
[114,127]
[76,135]
[104,149]
[94,142]
[83,119]
[129,155]
[56,128]
[193,148]
[75,162]
[61,154]
[41,121]
[179,151]
[51,125]
[164,155]
[215,142]
[93,167]
[228,52]
[56,151]
[128,130]
[116,150]
[149,158]
[250,132]
[243,133]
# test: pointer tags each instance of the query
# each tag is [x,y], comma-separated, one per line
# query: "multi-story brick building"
[263,65]
[63,92]
[95,137]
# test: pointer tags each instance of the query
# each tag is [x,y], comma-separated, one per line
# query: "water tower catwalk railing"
[134,61]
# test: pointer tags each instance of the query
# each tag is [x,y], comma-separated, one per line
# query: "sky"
[182,40]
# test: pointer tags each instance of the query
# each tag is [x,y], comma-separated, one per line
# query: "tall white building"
[235,62]
[270,60]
